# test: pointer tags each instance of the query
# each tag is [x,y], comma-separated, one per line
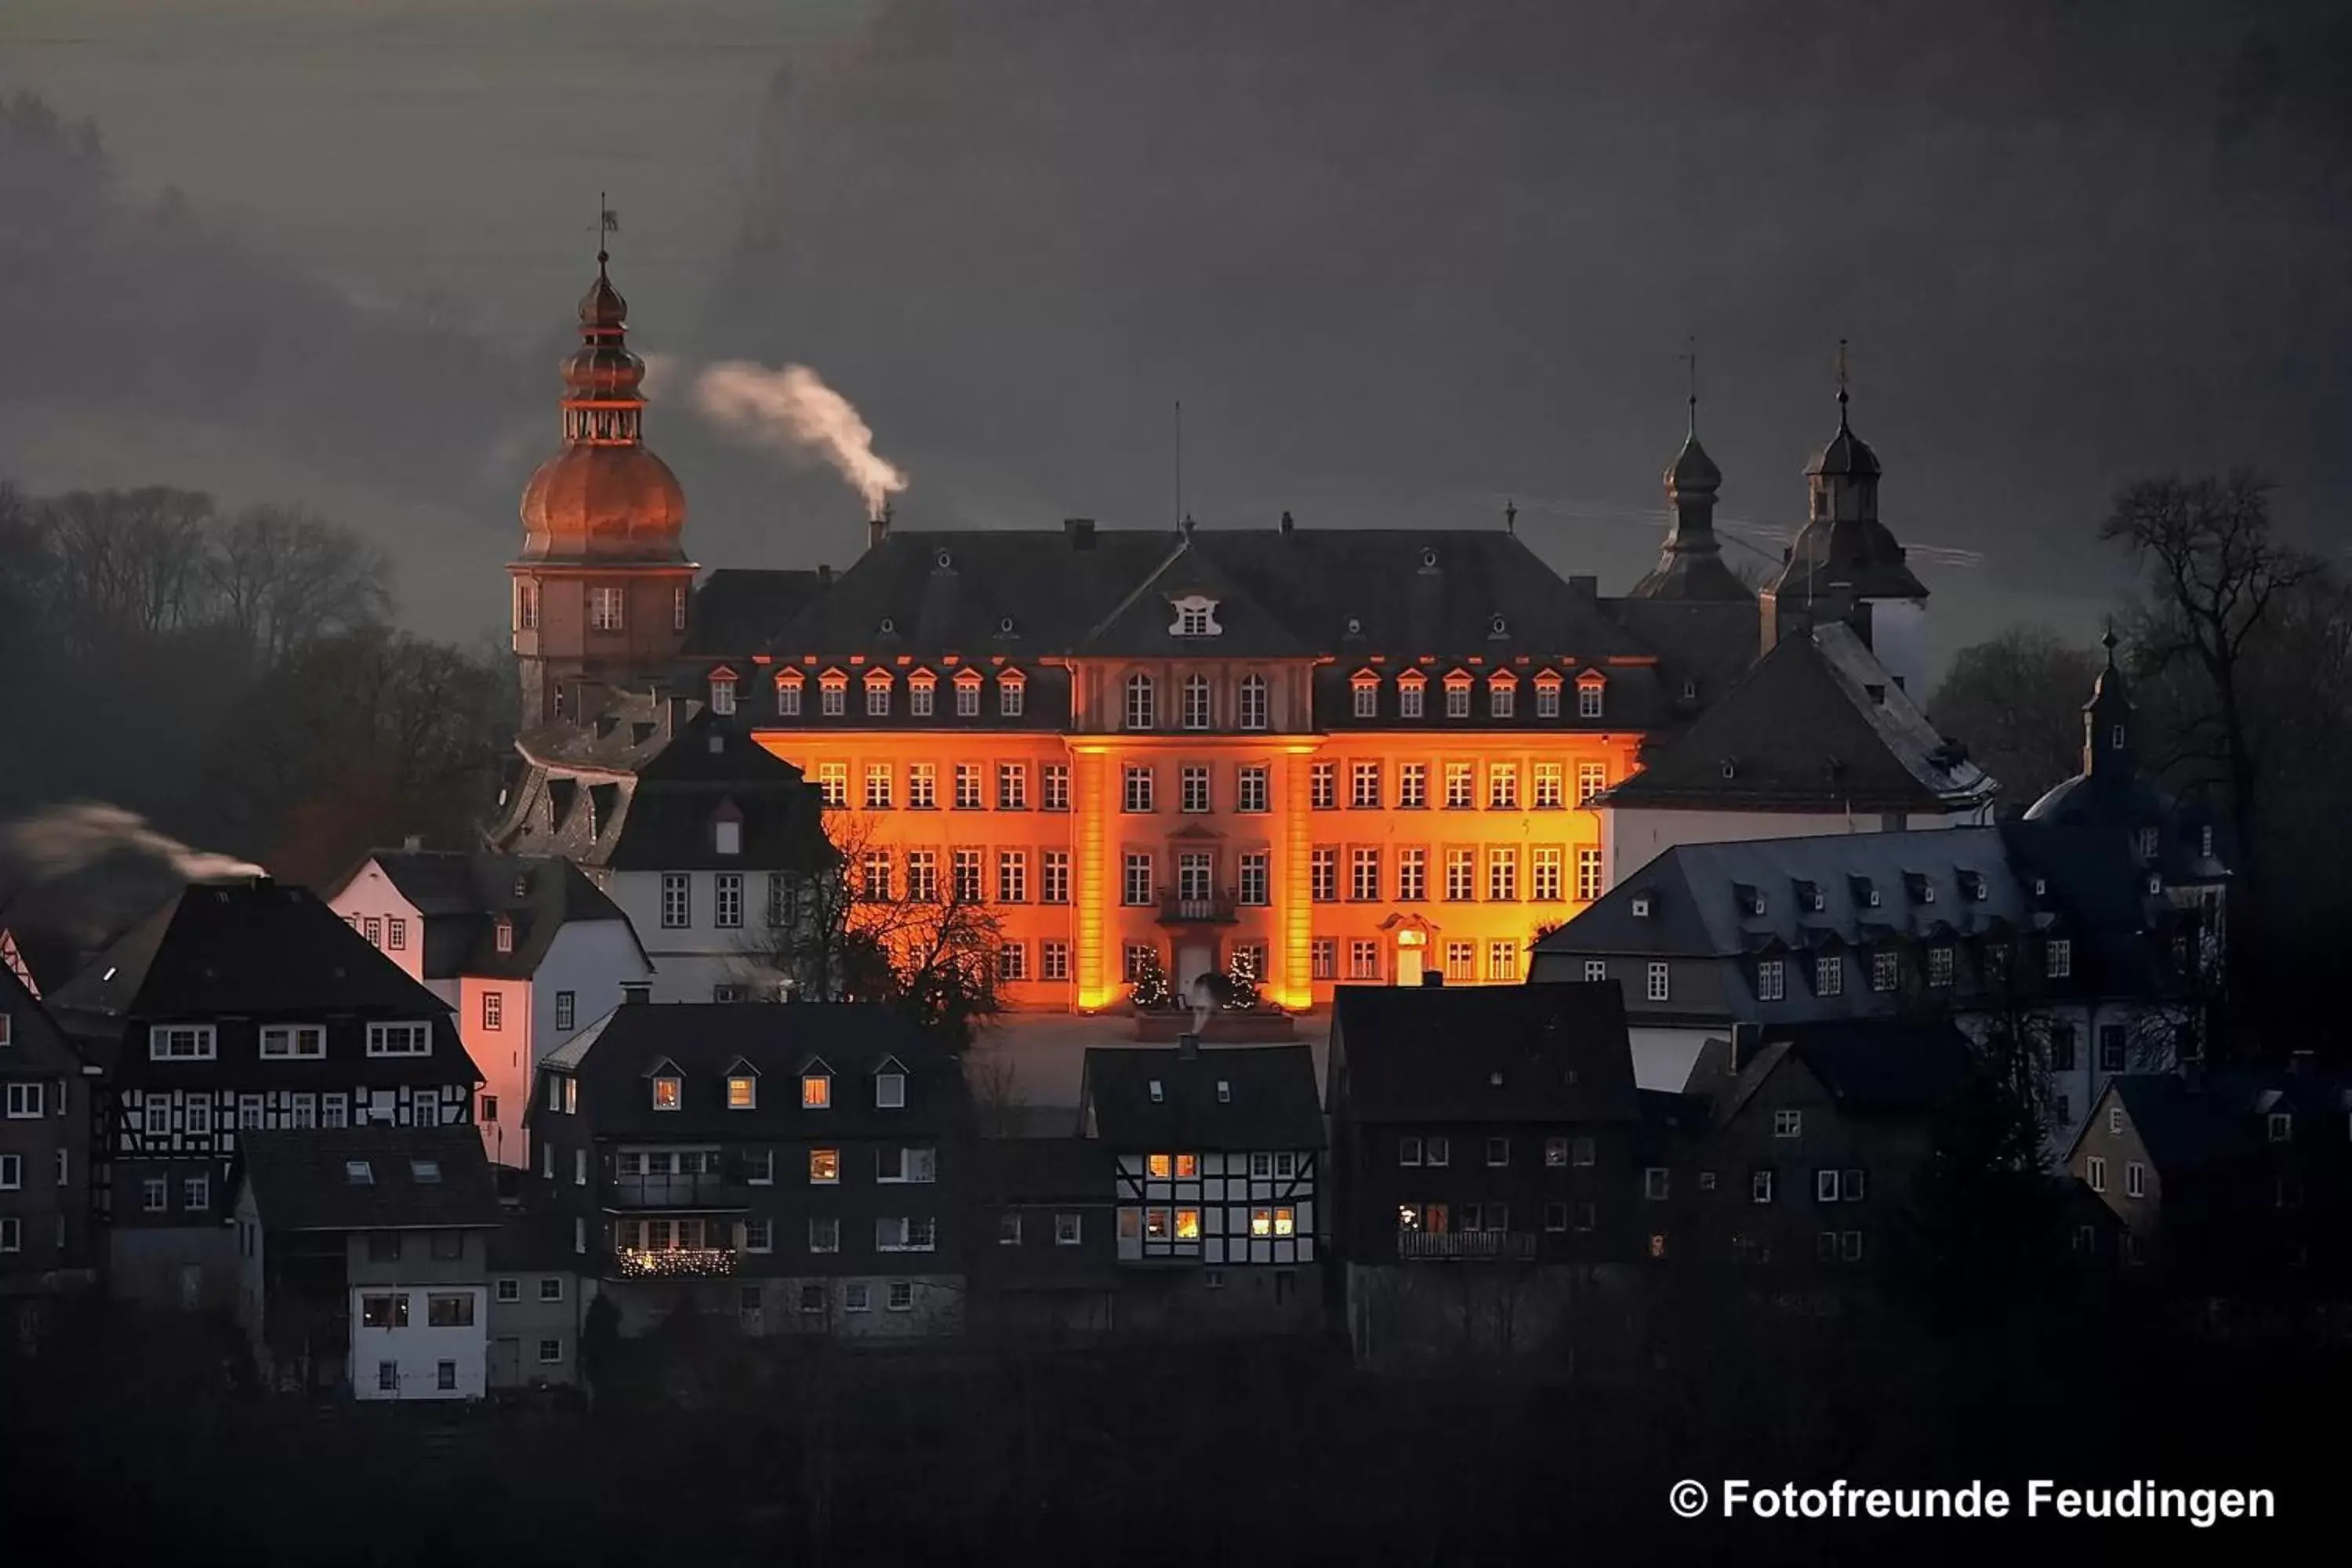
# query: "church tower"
[603,586]
[1846,566]
[1691,566]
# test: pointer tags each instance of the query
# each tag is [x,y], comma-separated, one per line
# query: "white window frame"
[1660,987]
[201,1041]
[298,1041]
[416,1034]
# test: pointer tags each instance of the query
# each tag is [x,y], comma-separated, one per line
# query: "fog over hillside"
[1399,262]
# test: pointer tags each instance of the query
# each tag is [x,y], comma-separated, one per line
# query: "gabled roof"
[35,1044]
[1143,622]
[1868,1066]
[1818,725]
[2221,1118]
[1857,555]
[302,1181]
[462,896]
[736,609]
[615,1056]
[1492,1053]
[644,787]
[1270,1099]
[254,946]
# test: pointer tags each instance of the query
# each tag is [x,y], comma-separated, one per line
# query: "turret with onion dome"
[1691,565]
[603,588]
[604,498]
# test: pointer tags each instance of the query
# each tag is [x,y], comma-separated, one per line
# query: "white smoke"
[792,408]
[69,838]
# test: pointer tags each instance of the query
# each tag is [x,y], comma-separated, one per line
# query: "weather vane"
[1841,376]
[607,222]
[1690,360]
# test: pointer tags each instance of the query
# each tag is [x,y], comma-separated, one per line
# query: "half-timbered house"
[1214,1166]
[45,1213]
[241,1005]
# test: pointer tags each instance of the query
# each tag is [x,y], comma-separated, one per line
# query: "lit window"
[743,1093]
[669,1093]
[825,1167]
[816,1091]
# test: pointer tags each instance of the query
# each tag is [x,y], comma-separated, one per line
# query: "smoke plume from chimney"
[792,408]
[66,838]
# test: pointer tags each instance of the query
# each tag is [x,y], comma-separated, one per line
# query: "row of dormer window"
[286,1042]
[389,933]
[740,1089]
[922,693]
[1502,694]
[1940,968]
[1433,1150]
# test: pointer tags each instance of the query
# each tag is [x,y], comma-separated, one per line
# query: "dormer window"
[1502,694]
[1196,616]
[878,694]
[816,1088]
[1591,692]
[722,691]
[788,694]
[922,693]
[890,1087]
[1548,687]
[1457,695]
[743,1088]
[1225,1091]
[2148,840]
[727,835]
[1972,886]
[424,1173]
[967,693]
[833,693]
[1159,1093]
[1750,900]
[359,1173]
[503,934]
[670,1092]
[1365,687]
[2282,1127]
[1412,686]
[1012,691]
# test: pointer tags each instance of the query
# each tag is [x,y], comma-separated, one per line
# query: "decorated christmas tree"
[1241,982]
[1150,992]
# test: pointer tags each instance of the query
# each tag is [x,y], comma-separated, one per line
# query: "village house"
[48,1242]
[241,1006]
[1483,1194]
[796,1169]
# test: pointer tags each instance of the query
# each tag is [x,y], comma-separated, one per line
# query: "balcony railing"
[703,1192]
[1466,1243]
[1210,909]
[674,1262]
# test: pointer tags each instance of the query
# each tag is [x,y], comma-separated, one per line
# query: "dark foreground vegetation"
[127,1442]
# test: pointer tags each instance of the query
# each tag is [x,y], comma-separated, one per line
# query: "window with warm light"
[1188,1224]
[1160,1167]
[669,1093]
[816,1091]
[743,1093]
[1286,1222]
[1261,1222]
[1188,1167]
[825,1167]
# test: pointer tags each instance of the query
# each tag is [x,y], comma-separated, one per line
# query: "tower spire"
[1842,383]
[1690,362]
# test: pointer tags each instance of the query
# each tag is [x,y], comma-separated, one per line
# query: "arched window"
[1252,716]
[1197,705]
[1140,714]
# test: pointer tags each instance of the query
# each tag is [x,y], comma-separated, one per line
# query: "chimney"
[1433,979]
[635,992]
[1188,1046]
[413,843]
[1080,531]
[1747,1040]
[823,574]
[877,527]
[1287,524]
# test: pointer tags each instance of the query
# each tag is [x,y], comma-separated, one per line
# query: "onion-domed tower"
[602,586]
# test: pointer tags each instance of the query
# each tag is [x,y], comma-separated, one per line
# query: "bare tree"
[2016,702]
[2215,577]
[128,564]
[284,579]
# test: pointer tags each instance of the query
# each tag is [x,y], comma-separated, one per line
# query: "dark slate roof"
[738,609]
[1408,592]
[1492,1053]
[642,788]
[35,1044]
[1870,1068]
[1695,909]
[616,1057]
[1273,1102]
[1847,455]
[1818,725]
[253,946]
[2190,1122]
[301,1181]
[1710,643]
[462,896]
[1856,554]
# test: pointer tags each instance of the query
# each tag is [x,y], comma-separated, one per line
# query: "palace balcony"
[1465,1244]
[674,1262]
[702,1193]
[1210,909]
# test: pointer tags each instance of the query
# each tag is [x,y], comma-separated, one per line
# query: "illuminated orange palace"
[1355,754]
